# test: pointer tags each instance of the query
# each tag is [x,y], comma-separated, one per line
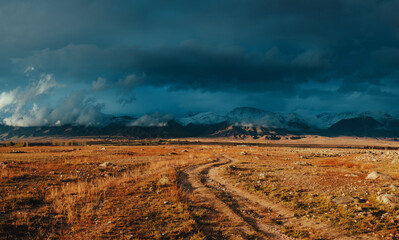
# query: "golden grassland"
[63,192]
[308,180]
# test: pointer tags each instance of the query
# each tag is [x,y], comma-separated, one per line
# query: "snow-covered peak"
[203,118]
[246,116]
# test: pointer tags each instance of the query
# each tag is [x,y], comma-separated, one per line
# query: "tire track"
[194,178]
[287,215]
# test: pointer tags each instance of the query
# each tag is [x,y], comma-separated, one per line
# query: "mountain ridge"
[241,122]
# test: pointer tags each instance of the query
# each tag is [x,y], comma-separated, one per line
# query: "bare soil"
[194,191]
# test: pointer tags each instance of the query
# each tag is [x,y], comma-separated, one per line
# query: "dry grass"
[309,190]
[61,192]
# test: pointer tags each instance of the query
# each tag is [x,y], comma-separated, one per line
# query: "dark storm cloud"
[189,65]
[302,49]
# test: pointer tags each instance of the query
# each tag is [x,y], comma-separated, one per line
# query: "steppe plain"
[310,188]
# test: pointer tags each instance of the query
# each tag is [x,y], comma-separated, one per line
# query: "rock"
[106,164]
[351,175]
[301,163]
[30,169]
[244,153]
[3,165]
[377,175]
[164,181]
[17,151]
[345,200]
[103,148]
[389,199]
[184,150]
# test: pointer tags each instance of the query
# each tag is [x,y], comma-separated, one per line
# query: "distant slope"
[364,127]
[360,126]
[240,123]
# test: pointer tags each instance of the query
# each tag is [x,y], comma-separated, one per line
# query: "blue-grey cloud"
[317,53]
[187,66]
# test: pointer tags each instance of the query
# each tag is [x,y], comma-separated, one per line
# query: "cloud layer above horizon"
[136,57]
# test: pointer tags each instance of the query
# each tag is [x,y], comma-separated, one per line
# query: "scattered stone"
[301,163]
[389,199]
[30,169]
[106,164]
[351,175]
[3,165]
[377,175]
[165,202]
[184,150]
[244,153]
[17,151]
[262,175]
[345,200]
[103,148]
[232,167]
[164,181]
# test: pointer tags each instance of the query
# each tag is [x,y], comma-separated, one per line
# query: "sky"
[91,59]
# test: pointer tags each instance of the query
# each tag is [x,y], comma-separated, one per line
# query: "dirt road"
[246,210]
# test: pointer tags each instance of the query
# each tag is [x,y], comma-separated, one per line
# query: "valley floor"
[194,191]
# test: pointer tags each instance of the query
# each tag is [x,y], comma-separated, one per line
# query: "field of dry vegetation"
[198,192]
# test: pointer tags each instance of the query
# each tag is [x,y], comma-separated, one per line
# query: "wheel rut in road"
[206,183]
[287,216]
[195,180]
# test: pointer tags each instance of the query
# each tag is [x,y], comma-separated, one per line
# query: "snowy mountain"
[240,123]
[248,117]
[204,118]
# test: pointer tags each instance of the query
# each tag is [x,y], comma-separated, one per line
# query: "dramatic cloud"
[188,66]
[74,109]
[278,55]
[99,84]
[19,98]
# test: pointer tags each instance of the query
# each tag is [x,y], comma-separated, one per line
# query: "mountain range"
[241,122]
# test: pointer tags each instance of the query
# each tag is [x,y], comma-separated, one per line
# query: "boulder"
[163,181]
[106,164]
[377,175]
[301,163]
[389,199]
[3,164]
[351,175]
